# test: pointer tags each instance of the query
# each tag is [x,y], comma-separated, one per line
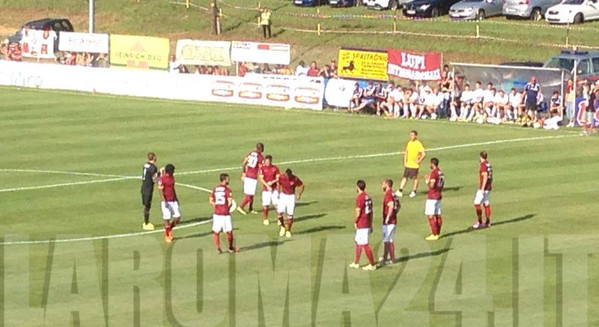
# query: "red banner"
[414,65]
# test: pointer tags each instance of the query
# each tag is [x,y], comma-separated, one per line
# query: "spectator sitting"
[368,98]
[4,50]
[334,68]
[502,101]
[466,101]
[14,52]
[354,102]
[173,65]
[301,69]
[313,71]
[556,103]
[266,69]
[285,70]
[326,72]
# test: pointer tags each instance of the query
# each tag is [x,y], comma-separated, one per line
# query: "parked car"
[533,9]
[384,4]
[522,63]
[476,9]
[573,12]
[309,3]
[585,63]
[55,24]
[342,3]
[427,8]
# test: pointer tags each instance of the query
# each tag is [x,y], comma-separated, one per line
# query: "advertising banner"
[267,90]
[83,42]
[38,44]
[579,112]
[138,52]
[207,53]
[363,64]
[414,65]
[262,53]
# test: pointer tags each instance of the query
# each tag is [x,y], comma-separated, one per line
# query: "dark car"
[342,3]
[54,24]
[428,8]
[310,3]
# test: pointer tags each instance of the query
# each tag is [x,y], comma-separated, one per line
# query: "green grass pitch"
[534,267]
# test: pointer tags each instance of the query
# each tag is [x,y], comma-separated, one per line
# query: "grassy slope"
[541,188]
[161,17]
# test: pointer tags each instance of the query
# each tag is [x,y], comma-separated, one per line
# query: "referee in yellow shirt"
[413,156]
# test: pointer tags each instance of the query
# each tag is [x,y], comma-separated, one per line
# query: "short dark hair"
[483,154]
[151,156]
[361,185]
[389,182]
[269,157]
[223,177]
[435,161]
[169,169]
[259,146]
[288,172]
[414,131]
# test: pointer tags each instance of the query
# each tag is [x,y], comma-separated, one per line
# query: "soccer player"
[148,177]
[485,173]
[391,207]
[435,181]
[269,177]
[170,204]
[286,204]
[250,167]
[221,200]
[413,156]
[363,226]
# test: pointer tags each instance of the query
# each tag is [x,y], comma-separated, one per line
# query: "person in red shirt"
[313,71]
[250,167]
[391,208]
[170,204]
[435,181]
[363,226]
[221,200]
[269,177]
[286,204]
[483,194]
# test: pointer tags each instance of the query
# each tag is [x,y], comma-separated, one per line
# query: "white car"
[573,12]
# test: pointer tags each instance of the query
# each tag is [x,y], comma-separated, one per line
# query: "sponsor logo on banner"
[414,65]
[224,89]
[363,64]
[38,44]
[308,95]
[250,90]
[278,92]
[263,53]
[83,42]
[209,53]
[139,52]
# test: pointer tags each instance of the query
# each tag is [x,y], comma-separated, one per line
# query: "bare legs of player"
[230,238]
[368,252]
[389,251]
[285,229]
[168,228]
[435,222]
[479,215]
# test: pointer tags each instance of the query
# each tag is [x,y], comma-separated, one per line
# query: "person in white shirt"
[385,106]
[427,106]
[301,69]
[501,102]
[395,101]
[466,102]
[173,65]
[477,99]
[489,103]
[410,103]
[513,109]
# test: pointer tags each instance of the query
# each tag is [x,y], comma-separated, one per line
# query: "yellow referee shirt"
[413,150]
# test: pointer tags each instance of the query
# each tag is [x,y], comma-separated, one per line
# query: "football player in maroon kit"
[391,208]
[269,177]
[286,204]
[363,226]
[435,181]
[483,194]
[221,200]
[250,167]
[170,204]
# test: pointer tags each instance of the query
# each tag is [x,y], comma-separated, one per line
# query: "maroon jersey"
[390,197]
[288,185]
[364,203]
[254,162]
[434,192]
[269,174]
[167,182]
[220,196]
[485,167]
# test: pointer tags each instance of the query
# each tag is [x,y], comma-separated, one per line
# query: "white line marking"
[26,188]
[94,238]
[75,173]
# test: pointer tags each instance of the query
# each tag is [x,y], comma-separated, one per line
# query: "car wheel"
[578,19]
[535,15]
[481,15]
[435,12]
[378,7]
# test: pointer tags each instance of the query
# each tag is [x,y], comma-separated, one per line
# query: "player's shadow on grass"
[308,217]
[320,229]
[194,220]
[414,256]
[197,235]
[496,223]
[452,189]
[263,245]
[303,204]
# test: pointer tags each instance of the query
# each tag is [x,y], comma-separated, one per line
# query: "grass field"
[532,268]
[168,19]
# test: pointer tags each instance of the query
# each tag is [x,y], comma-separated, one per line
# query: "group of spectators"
[85,59]
[11,51]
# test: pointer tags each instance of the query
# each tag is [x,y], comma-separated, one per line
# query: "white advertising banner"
[38,44]
[267,90]
[262,53]
[339,91]
[83,42]
[209,53]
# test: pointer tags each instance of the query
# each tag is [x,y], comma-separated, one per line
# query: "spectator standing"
[588,120]
[313,71]
[173,65]
[301,69]
[265,23]
[532,90]
[570,102]
[14,51]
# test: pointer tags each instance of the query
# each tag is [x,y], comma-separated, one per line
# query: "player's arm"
[161,188]
[390,206]
[358,212]
[263,182]
[244,166]
[485,176]
[211,199]
[430,181]
[301,191]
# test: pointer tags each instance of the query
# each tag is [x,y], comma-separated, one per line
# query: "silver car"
[533,9]
[476,9]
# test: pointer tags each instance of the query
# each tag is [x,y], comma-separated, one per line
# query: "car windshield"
[473,0]
[573,2]
[567,64]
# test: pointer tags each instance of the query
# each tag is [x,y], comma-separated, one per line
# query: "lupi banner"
[422,66]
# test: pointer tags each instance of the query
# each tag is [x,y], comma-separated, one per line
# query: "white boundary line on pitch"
[26,188]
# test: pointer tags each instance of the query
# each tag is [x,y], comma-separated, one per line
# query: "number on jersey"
[220,198]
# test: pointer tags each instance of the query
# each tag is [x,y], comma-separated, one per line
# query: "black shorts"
[530,106]
[411,173]
[146,199]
